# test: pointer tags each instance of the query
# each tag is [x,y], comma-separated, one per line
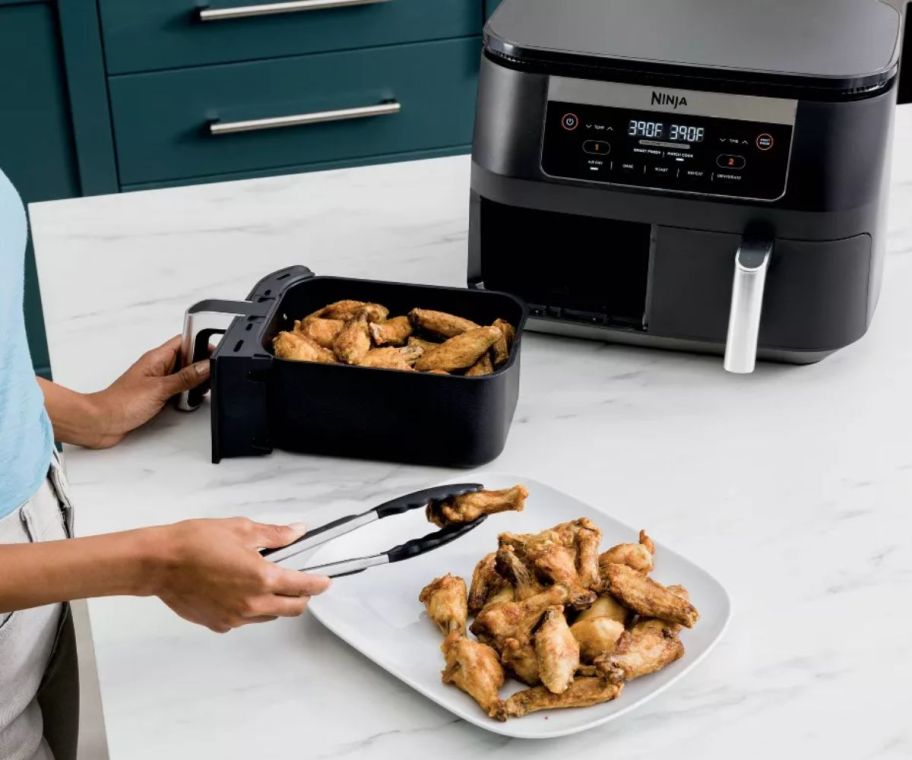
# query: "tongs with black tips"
[417,500]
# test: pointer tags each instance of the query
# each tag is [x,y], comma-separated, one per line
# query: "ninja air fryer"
[690,174]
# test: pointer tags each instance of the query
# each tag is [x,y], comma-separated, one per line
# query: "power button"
[570,121]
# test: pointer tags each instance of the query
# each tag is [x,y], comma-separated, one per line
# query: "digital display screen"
[658,130]
[690,153]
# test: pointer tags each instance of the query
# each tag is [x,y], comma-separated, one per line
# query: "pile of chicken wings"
[365,335]
[570,622]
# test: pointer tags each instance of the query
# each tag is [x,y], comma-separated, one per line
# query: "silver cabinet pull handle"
[302,119]
[270,9]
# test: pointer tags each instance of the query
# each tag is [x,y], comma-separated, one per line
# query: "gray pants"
[39,683]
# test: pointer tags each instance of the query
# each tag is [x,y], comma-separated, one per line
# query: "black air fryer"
[690,174]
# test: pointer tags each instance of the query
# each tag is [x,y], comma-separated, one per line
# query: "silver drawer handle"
[301,119]
[269,9]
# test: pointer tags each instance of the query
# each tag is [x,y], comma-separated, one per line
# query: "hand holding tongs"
[413,548]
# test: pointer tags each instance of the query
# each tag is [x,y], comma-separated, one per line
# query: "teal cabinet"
[424,112]
[165,34]
[38,135]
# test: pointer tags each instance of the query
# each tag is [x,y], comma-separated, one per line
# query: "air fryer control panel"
[668,140]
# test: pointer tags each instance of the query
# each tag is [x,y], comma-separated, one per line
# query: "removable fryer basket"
[260,402]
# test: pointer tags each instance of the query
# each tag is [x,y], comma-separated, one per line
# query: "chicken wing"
[519,658]
[445,600]
[583,692]
[648,598]
[391,358]
[475,668]
[425,345]
[471,506]
[391,332]
[486,581]
[347,310]
[517,572]
[557,650]
[459,352]
[353,341]
[440,323]
[498,622]
[647,647]
[597,636]
[501,348]
[289,345]
[639,556]
[556,554]
[321,331]
[606,606]
[482,367]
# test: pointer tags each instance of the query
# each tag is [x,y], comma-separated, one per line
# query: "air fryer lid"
[839,44]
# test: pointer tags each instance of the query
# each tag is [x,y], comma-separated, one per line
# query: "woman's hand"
[100,420]
[210,572]
[140,393]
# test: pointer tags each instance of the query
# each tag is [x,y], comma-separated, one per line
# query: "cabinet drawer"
[164,122]
[142,36]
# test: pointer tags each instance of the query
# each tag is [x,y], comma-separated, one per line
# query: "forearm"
[59,571]
[75,416]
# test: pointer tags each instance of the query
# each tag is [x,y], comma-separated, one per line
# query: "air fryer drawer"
[434,83]
[141,36]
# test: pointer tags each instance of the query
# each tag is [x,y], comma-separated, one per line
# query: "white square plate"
[378,612]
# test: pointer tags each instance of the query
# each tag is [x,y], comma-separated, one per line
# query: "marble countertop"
[793,486]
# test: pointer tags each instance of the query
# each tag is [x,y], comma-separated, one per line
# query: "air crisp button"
[597,147]
[730,161]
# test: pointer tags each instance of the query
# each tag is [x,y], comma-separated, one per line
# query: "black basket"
[260,402]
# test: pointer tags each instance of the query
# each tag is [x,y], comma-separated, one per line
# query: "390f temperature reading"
[656,130]
[652,129]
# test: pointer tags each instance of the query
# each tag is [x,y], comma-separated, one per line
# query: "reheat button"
[597,147]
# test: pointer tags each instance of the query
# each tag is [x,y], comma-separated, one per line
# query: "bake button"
[629,167]
[597,147]
[570,121]
[730,161]
[765,141]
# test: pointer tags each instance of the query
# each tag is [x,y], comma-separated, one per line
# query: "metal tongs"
[417,500]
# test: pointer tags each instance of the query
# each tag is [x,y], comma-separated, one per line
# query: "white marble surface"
[793,486]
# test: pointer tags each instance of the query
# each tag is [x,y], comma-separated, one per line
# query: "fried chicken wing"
[566,554]
[486,581]
[597,636]
[471,506]
[424,345]
[606,606]
[482,367]
[289,345]
[445,601]
[501,348]
[518,656]
[391,358]
[475,668]
[459,352]
[348,310]
[391,332]
[353,341]
[648,598]
[583,692]
[517,572]
[647,647]
[498,622]
[639,556]
[557,650]
[321,331]
[440,323]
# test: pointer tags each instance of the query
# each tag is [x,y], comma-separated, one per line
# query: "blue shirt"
[26,437]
